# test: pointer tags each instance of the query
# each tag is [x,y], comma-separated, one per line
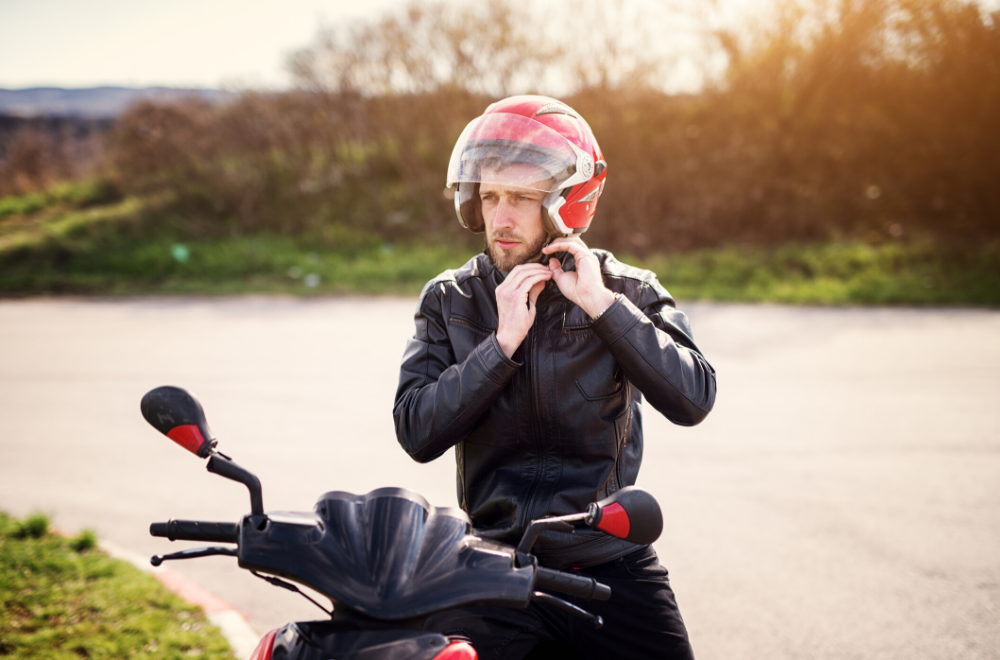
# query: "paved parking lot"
[842,501]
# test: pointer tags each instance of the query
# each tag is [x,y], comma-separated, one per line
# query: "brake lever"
[565,606]
[193,553]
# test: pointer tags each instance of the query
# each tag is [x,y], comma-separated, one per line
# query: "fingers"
[524,270]
[516,298]
[572,244]
[522,278]
[518,287]
[532,285]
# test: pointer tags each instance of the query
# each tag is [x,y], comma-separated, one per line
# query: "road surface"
[842,501]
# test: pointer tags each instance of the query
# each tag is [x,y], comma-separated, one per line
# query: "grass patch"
[64,599]
[67,195]
[72,244]
[254,264]
[837,273]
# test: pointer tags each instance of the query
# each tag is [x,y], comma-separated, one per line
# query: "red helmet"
[531,142]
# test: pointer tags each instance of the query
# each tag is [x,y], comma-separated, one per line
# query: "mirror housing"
[175,413]
[630,513]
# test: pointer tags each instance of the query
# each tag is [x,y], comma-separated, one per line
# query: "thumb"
[557,272]
[559,275]
[534,292]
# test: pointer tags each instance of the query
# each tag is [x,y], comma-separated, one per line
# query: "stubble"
[506,260]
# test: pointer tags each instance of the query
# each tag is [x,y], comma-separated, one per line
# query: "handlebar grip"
[574,585]
[197,530]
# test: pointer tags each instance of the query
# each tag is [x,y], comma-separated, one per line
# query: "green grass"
[72,244]
[64,599]
[69,194]
[255,264]
[838,273]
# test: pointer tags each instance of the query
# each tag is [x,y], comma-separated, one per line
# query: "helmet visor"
[512,150]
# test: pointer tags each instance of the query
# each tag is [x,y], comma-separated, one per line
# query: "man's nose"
[504,217]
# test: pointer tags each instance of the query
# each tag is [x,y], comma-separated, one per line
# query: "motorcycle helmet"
[532,142]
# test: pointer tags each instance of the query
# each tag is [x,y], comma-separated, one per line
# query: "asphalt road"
[842,501]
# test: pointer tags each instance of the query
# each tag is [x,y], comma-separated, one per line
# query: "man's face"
[513,217]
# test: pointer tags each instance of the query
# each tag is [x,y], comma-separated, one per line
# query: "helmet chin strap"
[541,256]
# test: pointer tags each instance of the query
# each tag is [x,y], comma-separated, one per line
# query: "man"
[532,360]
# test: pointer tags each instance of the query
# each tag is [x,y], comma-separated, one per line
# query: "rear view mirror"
[175,413]
[630,513]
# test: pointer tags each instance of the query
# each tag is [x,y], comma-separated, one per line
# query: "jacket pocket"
[465,336]
[596,389]
[470,323]
[575,320]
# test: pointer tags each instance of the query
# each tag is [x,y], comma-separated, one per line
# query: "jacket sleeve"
[439,400]
[651,340]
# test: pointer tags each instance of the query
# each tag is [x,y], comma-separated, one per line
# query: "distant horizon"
[94,103]
[129,87]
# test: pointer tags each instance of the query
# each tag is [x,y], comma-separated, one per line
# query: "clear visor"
[514,151]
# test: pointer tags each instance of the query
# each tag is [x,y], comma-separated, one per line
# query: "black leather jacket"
[558,426]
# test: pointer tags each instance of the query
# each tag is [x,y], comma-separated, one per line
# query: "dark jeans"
[641,620]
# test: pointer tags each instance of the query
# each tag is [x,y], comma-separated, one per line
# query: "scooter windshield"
[388,554]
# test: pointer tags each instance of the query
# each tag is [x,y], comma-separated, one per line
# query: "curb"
[241,636]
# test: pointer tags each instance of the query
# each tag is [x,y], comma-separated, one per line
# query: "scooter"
[386,560]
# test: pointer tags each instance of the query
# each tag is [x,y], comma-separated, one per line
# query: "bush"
[34,526]
[86,540]
[865,120]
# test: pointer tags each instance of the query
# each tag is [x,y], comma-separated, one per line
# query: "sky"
[182,43]
[231,44]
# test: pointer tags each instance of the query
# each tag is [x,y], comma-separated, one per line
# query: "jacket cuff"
[495,362]
[617,320]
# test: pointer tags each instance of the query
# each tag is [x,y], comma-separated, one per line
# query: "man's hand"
[584,287]
[516,298]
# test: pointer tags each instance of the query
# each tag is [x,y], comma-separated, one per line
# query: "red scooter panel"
[457,651]
[264,647]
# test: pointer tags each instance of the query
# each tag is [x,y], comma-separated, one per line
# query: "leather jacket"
[559,425]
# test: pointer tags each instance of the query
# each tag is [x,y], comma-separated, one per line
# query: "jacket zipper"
[535,422]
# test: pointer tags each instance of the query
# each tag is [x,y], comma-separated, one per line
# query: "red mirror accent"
[630,513]
[188,436]
[614,521]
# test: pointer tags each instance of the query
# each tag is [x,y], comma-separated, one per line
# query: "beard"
[505,260]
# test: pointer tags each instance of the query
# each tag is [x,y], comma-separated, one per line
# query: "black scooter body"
[386,560]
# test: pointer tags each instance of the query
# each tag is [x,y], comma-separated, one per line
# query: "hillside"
[93,102]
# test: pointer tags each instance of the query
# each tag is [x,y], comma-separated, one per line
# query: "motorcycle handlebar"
[196,530]
[574,585]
